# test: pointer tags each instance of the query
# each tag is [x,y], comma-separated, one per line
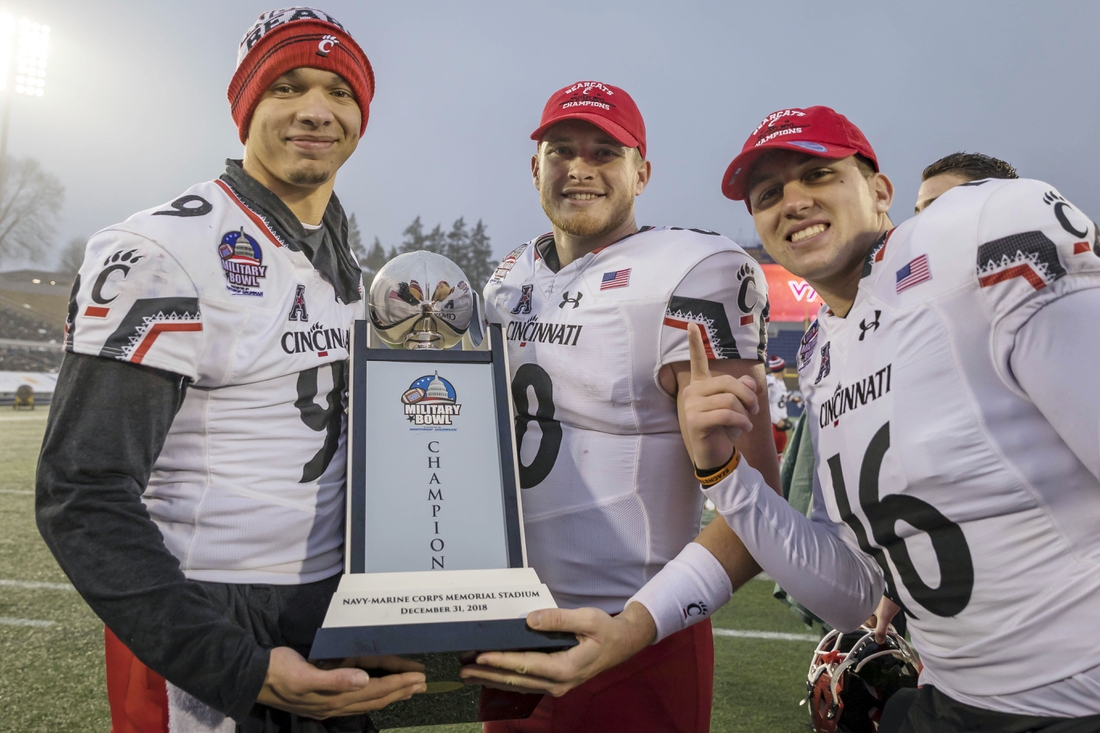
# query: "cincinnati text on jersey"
[317,339]
[535,330]
[854,396]
[431,400]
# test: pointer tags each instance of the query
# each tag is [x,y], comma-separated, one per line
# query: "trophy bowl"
[421,300]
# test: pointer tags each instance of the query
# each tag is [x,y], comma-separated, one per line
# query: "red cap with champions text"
[289,38]
[607,107]
[819,131]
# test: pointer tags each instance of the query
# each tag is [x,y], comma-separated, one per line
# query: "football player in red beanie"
[190,483]
[957,470]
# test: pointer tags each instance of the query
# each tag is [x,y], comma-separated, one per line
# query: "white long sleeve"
[807,557]
[1042,356]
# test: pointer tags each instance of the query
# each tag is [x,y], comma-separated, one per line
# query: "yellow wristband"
[711,479]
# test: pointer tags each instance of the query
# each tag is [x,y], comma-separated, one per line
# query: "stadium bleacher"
[16,325]
[29,360]
[32,316]
[785,344]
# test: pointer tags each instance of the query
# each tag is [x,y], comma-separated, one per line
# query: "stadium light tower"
[23,49]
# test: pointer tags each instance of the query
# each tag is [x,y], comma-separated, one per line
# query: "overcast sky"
[135,110]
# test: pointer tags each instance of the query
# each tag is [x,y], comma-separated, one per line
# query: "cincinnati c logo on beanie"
[285,39]
[326,45]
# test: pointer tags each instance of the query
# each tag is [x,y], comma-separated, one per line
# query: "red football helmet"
[852,676]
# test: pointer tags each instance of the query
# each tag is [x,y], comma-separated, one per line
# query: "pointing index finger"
[700,367]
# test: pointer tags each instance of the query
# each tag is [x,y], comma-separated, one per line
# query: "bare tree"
[30,202]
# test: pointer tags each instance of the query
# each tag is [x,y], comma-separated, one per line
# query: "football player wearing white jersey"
[192,472]
[777,401]
[595,314]
[957,469]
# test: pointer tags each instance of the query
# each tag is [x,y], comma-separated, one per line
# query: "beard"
[591,223]
[307,177]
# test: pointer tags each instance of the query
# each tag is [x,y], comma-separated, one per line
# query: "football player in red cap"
[595,313]
[956,469]
[191,482]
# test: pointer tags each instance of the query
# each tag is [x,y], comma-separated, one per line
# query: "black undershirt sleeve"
[107,425]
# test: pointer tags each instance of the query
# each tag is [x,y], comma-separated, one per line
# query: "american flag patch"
[616,279]
[914,273]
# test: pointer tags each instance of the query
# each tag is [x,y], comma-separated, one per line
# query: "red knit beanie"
[288,38]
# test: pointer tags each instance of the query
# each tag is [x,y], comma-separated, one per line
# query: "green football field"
[52,680]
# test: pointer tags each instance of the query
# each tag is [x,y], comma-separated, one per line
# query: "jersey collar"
[546,251]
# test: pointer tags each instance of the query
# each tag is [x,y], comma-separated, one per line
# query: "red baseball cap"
[607,107]
[819,131]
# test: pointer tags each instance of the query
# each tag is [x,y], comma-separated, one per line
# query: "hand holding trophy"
[435,563]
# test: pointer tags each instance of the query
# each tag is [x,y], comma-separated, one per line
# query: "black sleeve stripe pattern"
[762,343]
[146,320]
[70,316]
[712,317]
[1030,255]
[878,251]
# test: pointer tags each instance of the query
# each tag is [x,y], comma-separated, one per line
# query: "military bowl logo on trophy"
[431,400]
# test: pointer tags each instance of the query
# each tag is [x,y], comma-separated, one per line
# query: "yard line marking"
[15,491]
[774,635]
[35,584]
[24,622]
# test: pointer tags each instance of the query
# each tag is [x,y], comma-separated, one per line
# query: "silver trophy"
[422,300]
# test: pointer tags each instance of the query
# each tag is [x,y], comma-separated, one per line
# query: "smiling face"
[304,128]
[818,218]
[586,179]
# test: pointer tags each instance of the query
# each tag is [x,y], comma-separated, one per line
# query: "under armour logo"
[864,326]
[566,299]
[326,45]
[524,304]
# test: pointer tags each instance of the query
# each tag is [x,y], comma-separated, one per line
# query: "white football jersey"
[249,487]
[932,460]
[777,399]
[609,494]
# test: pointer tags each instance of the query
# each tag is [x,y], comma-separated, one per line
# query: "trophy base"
[443,648]
[364,620]
[448,701]
[446,637]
